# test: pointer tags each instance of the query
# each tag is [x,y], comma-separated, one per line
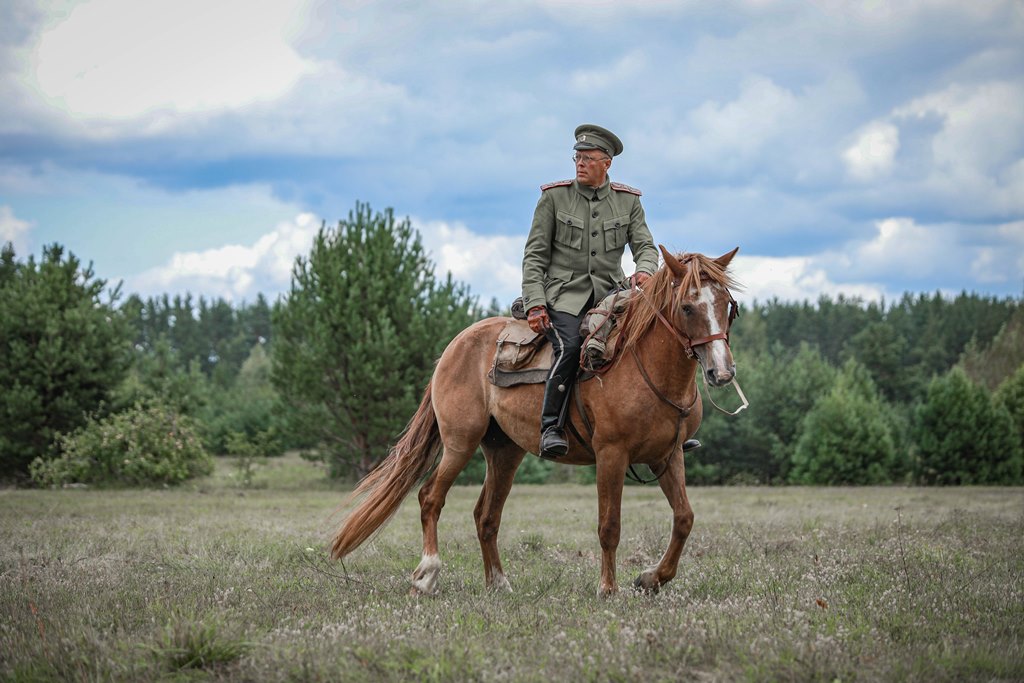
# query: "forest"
[927,389]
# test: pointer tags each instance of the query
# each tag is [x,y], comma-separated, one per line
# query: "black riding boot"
[552,436]
[566,342]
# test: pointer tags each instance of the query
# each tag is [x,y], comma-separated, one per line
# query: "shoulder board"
[622,187]
[557,183]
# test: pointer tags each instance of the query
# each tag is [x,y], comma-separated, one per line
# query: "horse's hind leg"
[432,497]
[673,484]
[503,459]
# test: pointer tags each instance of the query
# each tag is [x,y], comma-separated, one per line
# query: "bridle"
[684,339]
[689,344]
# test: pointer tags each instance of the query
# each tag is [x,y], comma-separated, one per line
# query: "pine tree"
[963,436]
[62,352]
[357,338]
[846,438]
[1011,396]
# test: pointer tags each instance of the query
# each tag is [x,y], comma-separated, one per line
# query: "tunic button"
[594,215]
[593,253]
[594,234]
[618,224]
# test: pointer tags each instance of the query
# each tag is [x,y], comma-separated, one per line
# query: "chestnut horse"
[645,406]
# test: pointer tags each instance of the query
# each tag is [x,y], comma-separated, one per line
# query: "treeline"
[927,389]
[96,387]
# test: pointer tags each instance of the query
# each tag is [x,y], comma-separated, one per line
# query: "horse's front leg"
[673,484]
[611,474]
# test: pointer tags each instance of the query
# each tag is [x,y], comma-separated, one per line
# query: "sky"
[864,149]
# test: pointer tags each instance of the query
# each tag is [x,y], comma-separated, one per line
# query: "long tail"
[390,482]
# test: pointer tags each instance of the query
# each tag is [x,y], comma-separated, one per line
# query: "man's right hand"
[538,319]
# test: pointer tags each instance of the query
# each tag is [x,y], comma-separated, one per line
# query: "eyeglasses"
[577,158]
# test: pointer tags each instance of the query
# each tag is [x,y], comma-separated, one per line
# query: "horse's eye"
[687,309]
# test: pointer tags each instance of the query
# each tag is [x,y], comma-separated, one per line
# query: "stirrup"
[553,444]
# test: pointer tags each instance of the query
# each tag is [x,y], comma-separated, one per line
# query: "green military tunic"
[575,245]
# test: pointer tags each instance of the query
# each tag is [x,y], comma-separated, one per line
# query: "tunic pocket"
[557,279]
[569,230]
[615,231]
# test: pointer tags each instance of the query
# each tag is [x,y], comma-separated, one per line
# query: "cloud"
[1002,263]
[234,272]
[114,60]
[490,264]
[974,157]
[732,133]
[872,155]
[605,77]
[14,230]
[795,278]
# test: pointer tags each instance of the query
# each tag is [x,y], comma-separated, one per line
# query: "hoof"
[500,584]
[424,578]
[647,584]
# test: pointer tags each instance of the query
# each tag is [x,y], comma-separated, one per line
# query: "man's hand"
[538,319]
[638,279]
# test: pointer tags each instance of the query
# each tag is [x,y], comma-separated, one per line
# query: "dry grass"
[213,582]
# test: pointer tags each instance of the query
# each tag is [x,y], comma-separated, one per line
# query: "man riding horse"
[573,259]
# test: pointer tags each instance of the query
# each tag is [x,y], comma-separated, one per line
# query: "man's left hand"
[638,279]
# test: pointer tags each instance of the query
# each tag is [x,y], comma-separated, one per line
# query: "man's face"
[592,167]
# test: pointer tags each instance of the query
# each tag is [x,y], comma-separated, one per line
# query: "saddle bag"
[516,358]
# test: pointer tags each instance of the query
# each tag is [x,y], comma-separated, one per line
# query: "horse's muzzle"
[718,379]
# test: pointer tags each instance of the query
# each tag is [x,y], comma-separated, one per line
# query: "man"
[573,258]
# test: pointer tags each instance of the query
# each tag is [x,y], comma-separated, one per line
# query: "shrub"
[143,446]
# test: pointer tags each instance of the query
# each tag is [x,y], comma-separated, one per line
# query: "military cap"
[589,136]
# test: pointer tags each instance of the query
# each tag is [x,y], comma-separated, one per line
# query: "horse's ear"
[672,262]
[724,259]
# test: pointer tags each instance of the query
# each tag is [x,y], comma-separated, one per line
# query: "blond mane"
[660,294]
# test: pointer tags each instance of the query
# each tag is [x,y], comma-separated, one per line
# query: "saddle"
[522,357]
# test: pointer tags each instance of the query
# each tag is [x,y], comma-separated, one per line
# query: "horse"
[639,413]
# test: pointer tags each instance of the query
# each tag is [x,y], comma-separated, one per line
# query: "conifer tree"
[847,436]
[62,352]
[963,436]
[356,340]
[1011,396]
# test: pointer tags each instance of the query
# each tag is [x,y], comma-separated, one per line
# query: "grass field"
[215,582]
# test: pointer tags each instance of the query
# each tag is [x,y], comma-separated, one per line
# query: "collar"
[589,193]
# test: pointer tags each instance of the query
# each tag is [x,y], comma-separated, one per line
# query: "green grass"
[213,581]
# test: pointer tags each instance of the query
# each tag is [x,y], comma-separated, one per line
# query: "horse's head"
[690,296]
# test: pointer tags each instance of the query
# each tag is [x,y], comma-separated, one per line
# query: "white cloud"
[793,278]
[903,246]
[976,155]
[234,272]
[121,59]
[742,125]
[490,264]
[872,155]
[1002,262]
[14,230]
[623,70]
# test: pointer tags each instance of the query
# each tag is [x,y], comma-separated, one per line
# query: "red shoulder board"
[557,183]
[622,187]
